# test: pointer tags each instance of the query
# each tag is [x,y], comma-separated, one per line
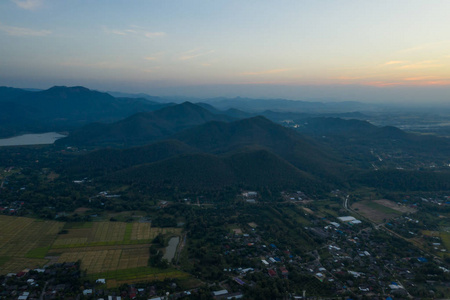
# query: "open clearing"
[375,211]
[445,238]
[395,206]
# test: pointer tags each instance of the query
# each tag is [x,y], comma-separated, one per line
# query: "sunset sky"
[205,48]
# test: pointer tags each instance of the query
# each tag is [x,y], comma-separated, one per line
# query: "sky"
[380,50]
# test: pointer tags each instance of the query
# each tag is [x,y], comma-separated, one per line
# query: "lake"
[32,139]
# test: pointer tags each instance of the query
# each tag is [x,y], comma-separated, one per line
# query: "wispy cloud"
[421,78]
[382,83]
[351,77]
[28,4]
[154,56]
[22,31]
[427,46]
[194,54]
[136,31]
[274,71]
[426,64]
[395,62]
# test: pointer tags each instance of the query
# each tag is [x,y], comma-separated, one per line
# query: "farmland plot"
[20,236]
[100,233]
[96,261]
[116,249]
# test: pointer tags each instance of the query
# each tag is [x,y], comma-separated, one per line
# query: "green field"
[381,208]
[117,250]
[139,274]
[445,238]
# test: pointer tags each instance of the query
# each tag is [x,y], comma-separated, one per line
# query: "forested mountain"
[63,108]
[250,153]
[105,161]
[144,128]
[302,152]
[249,168]
[9,93]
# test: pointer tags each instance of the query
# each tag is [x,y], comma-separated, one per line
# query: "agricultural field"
[109,233]
[445,238]
[119,277]
[19,240]
[108,248]
[105,260]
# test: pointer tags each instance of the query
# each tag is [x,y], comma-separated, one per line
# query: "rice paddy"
[118,250]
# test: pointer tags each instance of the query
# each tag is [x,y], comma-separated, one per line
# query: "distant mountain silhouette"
[357,139]
[283,105]
[144,128]
[9,93]
[62,108]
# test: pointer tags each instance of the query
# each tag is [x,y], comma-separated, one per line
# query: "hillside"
[364,143]
[300,151]
[143,128]
[63,108]
[9,93]
[249,168]
[105,161]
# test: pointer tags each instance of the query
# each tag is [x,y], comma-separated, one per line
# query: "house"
[235,296]
[347,218]
[220,293]
[284,271]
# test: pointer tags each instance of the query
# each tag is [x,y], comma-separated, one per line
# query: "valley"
[189,200]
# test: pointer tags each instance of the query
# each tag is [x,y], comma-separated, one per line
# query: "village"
[359,249]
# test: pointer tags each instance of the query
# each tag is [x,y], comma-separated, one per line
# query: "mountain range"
[201,147]
[63,108]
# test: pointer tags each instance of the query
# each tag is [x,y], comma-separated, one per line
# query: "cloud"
[427,47]
[137,31]
[420,78]
[426,64]
[22,31]
[395,62]
[150,58]
[28,4]
[194,54]
[351,77]
[382,83]
[122,32]
[274,71]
